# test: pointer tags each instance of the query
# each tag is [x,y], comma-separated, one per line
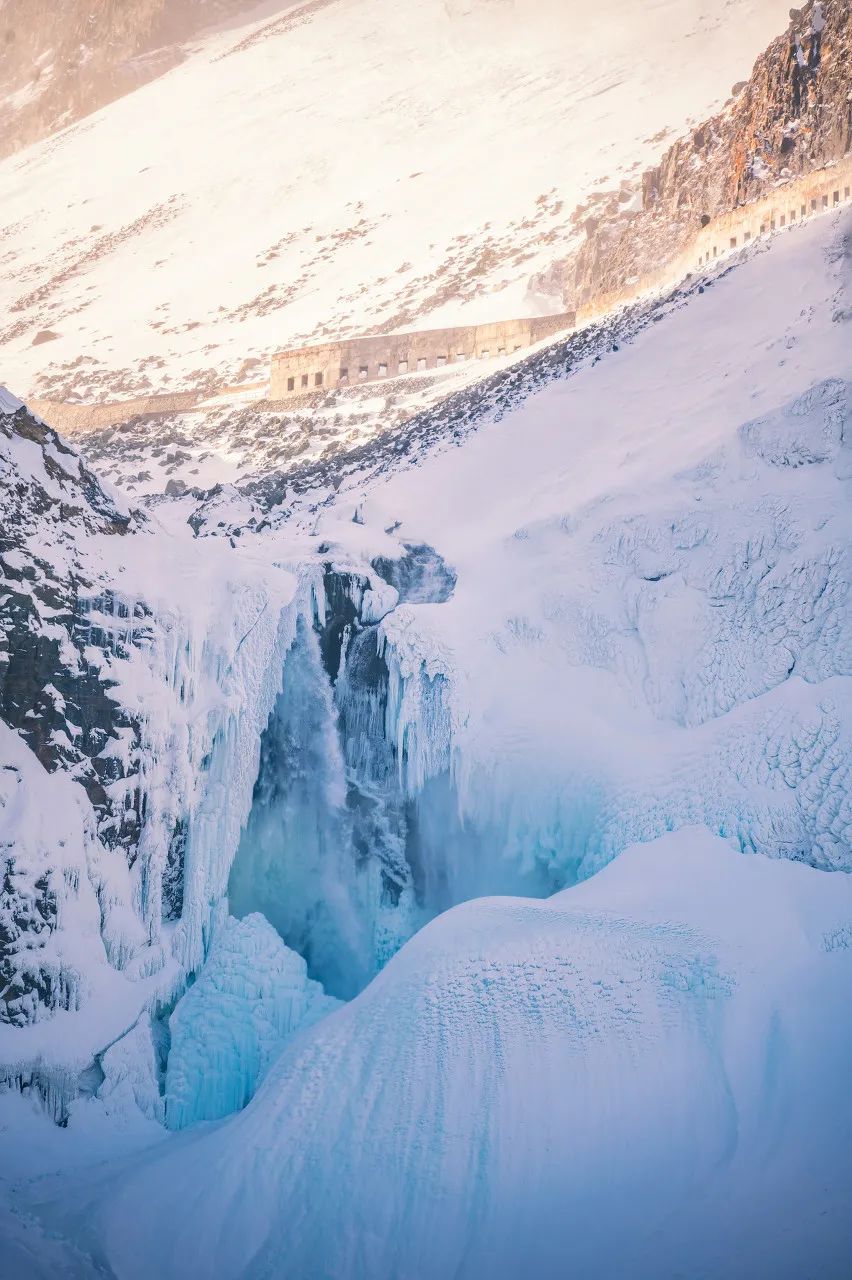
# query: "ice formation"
[618,1080]
[230,1026]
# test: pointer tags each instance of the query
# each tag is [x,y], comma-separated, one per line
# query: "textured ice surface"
[629,1078]
[651,624]
[230,1026]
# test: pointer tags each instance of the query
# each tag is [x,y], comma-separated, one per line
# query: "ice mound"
[621,1080]
[228,1029]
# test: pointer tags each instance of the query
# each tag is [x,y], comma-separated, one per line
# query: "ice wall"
[355,836]
[251,994]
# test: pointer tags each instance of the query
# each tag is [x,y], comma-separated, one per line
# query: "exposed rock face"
[63,61]
[54,655]
[70,799]
[786,121]
[44,848]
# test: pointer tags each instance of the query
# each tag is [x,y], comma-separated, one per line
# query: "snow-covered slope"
[651,622]
[336,166]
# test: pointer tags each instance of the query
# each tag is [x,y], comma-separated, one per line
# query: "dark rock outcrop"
[55,621]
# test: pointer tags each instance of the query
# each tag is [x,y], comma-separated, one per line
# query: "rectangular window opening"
[362,373]
[317,379]
[344,375]
[304,379]
[441,361]
[402,366]
[291,384]
[383,371]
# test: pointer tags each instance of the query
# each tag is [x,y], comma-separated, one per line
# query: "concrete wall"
[80,417]
[379,356]
[390,355]
[807,197]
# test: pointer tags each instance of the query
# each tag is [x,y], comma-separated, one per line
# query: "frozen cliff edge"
[226,1032]
[137,669]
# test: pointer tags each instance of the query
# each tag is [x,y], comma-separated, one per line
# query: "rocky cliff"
[55,652]
[56,693]
[785,121]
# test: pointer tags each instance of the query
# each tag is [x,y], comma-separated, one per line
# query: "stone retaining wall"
[375,357]
[82,417]
[378,356]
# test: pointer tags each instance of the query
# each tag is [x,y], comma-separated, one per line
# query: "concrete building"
[378,356]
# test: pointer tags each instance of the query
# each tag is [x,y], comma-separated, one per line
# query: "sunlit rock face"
[783,121]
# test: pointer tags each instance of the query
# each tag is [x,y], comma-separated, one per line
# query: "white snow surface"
[651,623]
[643,1075]
[335,166]
[8,402]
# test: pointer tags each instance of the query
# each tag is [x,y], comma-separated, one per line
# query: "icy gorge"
[425,806]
